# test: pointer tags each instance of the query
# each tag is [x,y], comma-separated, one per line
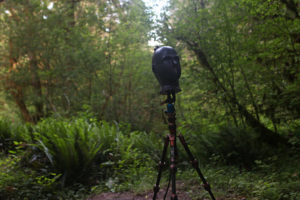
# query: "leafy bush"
[82,147]
[148,143]
[70,147]
[230,146]
[9,133]
[264,181]
[5,136]
[132,156]
[19,182]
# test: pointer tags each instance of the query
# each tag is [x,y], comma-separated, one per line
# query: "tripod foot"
[174,197]
[156,189]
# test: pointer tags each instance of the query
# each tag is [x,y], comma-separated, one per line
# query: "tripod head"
[169,101]
[171,98]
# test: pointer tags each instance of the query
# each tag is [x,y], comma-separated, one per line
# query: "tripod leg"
[160,167]
[195,164]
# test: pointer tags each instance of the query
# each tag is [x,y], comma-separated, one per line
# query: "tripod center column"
[173,147]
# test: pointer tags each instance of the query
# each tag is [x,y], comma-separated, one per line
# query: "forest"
[81,114]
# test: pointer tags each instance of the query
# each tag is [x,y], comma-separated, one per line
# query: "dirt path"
[183,192]
[182,195]
[131,196]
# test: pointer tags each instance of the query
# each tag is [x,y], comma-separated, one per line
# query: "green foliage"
[108,157]
[89,60]
[19,182]
[269,179]
[84,146]
[147,143]
[71,147]
[232,146]
[80,150]
[5,135]
[98,58]
[131,159]
[241,65]
[13,135]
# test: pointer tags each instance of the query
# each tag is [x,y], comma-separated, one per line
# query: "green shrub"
[232,146]
[148,143]
[83,148]
[5,136]
[21,183]
[71,147]
[129,159]
[11,133]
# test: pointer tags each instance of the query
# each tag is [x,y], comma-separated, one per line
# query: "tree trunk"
[17,93]
[37,86]
[15,90]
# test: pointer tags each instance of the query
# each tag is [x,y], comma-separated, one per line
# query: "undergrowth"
[72,159]
[268,180]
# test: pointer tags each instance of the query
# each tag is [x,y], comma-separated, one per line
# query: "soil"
[183,193]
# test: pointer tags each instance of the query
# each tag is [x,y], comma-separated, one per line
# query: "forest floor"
[183,193]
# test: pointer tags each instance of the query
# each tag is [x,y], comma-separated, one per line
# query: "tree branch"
[266,134]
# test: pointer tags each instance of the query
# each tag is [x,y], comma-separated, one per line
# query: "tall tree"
[61,55]
[245,47]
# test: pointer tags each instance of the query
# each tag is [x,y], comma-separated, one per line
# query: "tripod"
[171,138]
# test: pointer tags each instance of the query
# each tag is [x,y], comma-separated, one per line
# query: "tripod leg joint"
[173,168]
[195,163]
[206,186]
